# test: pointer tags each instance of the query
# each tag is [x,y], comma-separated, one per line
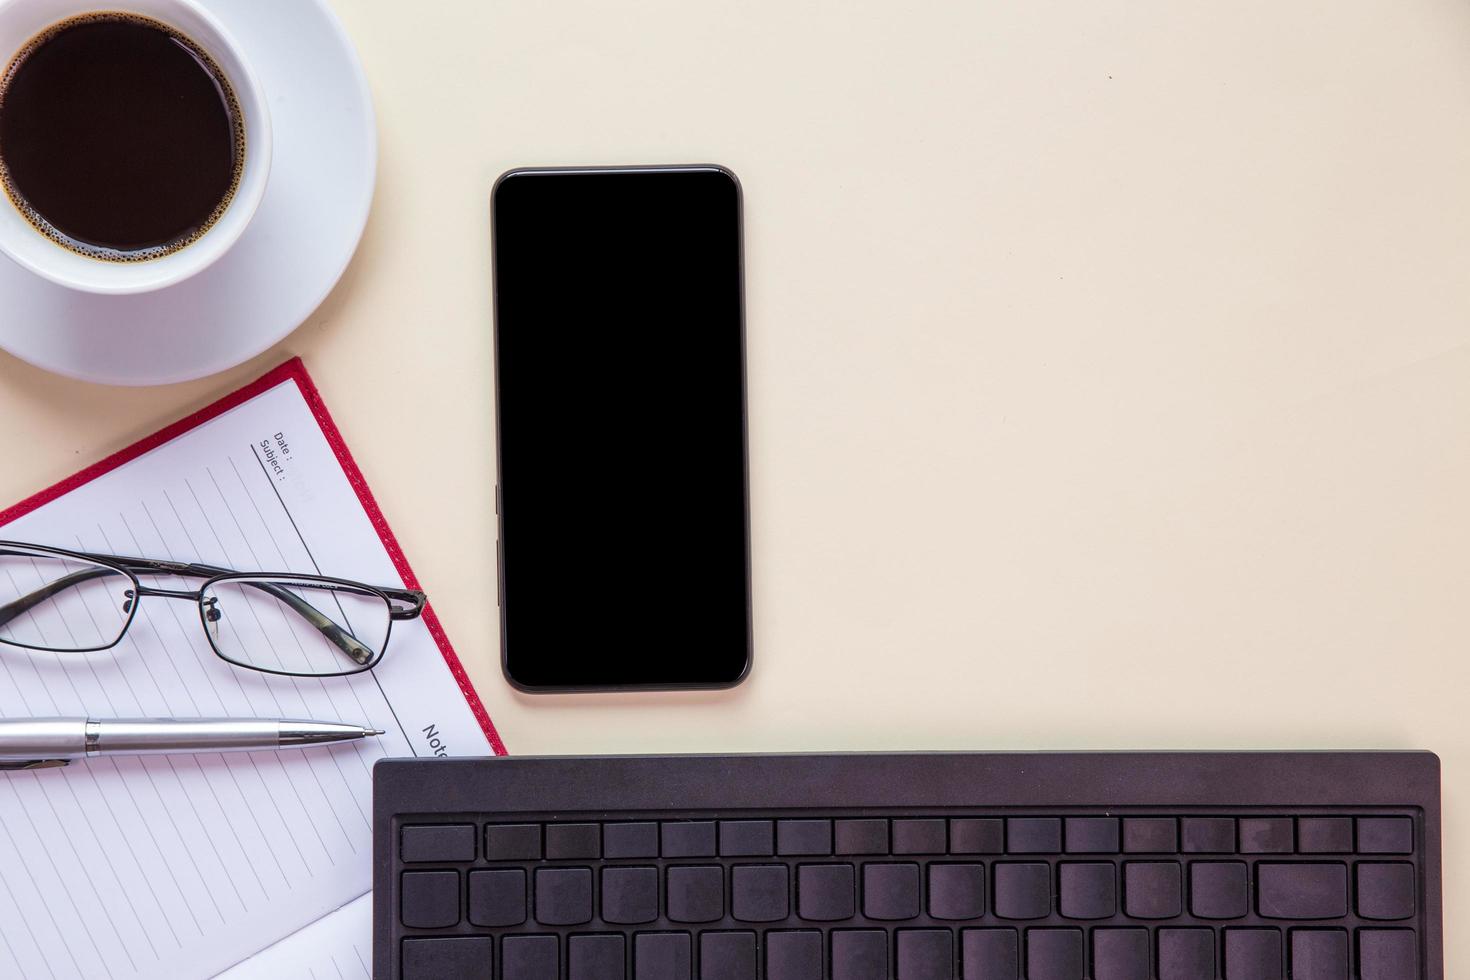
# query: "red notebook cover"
[292,370]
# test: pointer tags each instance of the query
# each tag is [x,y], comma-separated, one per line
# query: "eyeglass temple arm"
[343,640]
[412,600]
[335,634]
[27,602]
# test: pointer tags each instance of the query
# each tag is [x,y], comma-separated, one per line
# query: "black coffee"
[119,137]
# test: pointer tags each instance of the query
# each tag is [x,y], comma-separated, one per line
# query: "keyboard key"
[1386,891]
[1301,891]
[1120,954]
[1217,889]
[689,839]
[956,891]
[1253,954]
[443,842]
[747,838]
[563,896]
[1266,835]
[1033,835]
[1387,954]
[918,837]
[660,956]
[630,840]
[925,954]
[1054,954]
[1385,835]
[1022,891]
[1319,954]
[596,958]
[794,955]
[1152,890]
[1208,835]
[1325,835]
[977,835]
[1088,891]
[1150,835]
[498,897]
[862,836]
[990,954]
[727,956]
[629,895]
[529,958]
[1188,954]
[573,841]
[696,894]
[470,957]
[825,892]
[1092,835]
[891,891]
[430,899]
[859,954]
[797,838]
[760,893]
[513,842]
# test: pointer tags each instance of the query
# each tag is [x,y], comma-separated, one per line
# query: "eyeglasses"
[279,623]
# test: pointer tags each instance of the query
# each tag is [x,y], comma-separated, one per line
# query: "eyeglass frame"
[415,600]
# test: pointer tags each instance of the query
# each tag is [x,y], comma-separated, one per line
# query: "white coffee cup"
[22,20]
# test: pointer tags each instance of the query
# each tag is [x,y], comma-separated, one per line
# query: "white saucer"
[315,207]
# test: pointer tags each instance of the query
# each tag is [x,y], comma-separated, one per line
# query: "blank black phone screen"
[620,398]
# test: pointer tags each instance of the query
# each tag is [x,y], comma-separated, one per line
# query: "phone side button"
[499,575]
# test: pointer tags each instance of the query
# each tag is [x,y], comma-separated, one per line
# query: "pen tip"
[373,731]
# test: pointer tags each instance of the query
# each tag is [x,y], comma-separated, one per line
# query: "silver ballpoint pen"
[43,743]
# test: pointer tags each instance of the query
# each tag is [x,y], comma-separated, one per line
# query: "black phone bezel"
[500,569]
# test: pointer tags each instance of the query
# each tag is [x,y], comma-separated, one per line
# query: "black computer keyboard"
[1066,866]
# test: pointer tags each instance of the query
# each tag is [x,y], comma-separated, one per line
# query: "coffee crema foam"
[232,110]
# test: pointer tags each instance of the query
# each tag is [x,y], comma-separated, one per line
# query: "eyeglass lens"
[295,626]
[61,603]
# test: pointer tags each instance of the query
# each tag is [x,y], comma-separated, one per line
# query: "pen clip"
[33,764]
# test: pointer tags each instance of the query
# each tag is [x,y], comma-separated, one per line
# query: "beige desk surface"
[1109,363]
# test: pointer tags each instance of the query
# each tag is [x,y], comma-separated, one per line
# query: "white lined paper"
[337,946]
[181,866]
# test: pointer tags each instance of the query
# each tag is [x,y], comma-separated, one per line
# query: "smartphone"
[622,501]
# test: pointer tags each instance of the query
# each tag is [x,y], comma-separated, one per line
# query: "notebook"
[185,866]
[335,947]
